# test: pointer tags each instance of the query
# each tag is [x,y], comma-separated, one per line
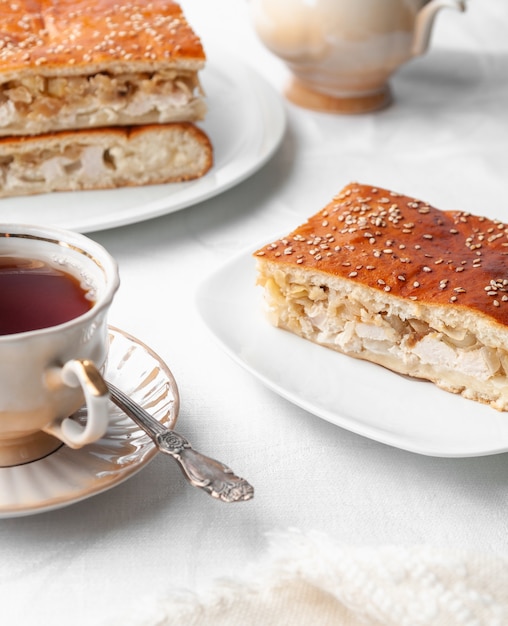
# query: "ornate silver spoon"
[201,471]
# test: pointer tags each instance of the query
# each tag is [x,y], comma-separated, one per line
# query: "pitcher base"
[299,94]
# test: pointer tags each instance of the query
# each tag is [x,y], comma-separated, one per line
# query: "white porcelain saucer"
[67,476]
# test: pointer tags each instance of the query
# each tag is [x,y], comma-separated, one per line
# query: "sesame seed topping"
[375,232]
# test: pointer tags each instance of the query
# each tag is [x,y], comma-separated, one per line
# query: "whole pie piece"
[384,277]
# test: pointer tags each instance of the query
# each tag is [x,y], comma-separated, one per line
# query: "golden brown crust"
[404,246]
[128,132]
[46,37]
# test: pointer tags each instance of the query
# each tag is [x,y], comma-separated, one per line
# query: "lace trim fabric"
[306,579]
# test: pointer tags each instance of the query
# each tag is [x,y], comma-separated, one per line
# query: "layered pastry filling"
[459,353]
[102,159]
[38,104]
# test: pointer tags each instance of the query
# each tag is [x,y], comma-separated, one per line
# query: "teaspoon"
[201,471]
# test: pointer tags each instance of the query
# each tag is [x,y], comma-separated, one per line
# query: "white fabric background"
[445,139]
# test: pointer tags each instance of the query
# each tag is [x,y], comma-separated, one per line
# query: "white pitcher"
[341,53]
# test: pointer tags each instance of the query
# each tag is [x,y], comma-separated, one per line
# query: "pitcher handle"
[425,21]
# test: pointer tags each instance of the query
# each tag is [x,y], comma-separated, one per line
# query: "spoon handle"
[201,471]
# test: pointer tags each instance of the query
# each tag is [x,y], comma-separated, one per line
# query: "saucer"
[66,476]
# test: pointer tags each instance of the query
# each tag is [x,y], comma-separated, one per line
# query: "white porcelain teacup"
[47,373]
[341,53]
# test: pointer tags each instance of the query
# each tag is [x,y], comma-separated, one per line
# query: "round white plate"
[359,396]
[67,476]
[246,121]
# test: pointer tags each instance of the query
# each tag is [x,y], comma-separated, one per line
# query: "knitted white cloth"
[306,579]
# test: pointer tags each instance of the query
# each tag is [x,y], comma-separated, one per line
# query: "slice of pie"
[103,158]
[69,64]
[390,279]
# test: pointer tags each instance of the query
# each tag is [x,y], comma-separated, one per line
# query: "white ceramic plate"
[67,476]
[359,396]
[246,121]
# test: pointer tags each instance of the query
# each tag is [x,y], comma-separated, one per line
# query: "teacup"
[341,53]
[50,365]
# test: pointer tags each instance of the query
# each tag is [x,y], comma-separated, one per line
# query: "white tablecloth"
[445,139]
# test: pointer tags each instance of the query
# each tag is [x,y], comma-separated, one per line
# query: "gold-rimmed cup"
[48,373]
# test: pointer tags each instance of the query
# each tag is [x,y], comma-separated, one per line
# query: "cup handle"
[425,21]
[84,373]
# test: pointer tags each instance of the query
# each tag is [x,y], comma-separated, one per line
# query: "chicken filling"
[55,103]
[81,165]
[327,317]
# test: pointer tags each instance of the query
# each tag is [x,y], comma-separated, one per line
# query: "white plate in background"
[246,121]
